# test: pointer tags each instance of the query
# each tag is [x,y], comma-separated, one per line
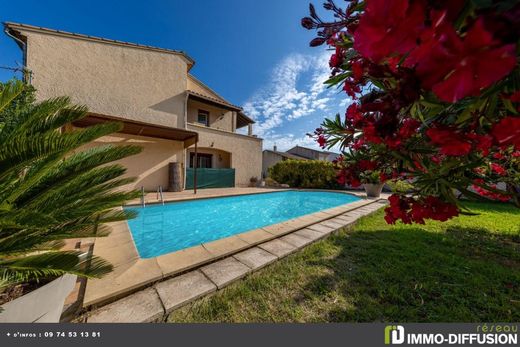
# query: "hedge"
[305,174]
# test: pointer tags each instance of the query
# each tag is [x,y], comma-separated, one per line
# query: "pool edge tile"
[186,259]
[226,246]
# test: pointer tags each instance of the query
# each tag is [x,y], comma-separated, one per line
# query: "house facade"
[312,154]
[271,157]
[163,108]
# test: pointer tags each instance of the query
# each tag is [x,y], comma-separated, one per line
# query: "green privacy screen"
[211,178]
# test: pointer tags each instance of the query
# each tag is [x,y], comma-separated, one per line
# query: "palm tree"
[50,191]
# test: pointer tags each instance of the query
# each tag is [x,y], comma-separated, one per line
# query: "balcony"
[216,114]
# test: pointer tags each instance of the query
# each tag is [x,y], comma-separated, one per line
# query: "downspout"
[24,53]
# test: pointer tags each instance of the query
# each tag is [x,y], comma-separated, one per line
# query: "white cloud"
[295,101]
[284,99]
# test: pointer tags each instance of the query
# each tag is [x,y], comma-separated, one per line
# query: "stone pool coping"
[156,302]
[131,273]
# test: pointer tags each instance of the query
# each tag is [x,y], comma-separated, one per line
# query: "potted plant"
[253,181]
[372,183]
[361,166]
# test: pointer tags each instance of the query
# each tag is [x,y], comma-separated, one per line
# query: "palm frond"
[50,190]
[9,92]
[52,264]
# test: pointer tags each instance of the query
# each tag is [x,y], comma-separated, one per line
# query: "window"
[204,160]
[203,117]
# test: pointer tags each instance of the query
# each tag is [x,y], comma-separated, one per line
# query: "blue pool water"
[161,229]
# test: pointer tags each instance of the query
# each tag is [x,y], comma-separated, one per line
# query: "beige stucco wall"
[269,159]
[151,165]
[126,82]
[246,151]
[196,86]
[219,118]
[142,85]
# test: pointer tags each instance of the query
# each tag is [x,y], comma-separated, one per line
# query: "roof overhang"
[242,119]
[212,101]
[132,127]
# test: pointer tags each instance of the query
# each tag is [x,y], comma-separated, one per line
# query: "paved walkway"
[158,301]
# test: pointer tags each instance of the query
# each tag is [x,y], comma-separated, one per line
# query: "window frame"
[200,156]
[205,114]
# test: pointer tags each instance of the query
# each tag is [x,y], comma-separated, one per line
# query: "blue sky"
[254,53]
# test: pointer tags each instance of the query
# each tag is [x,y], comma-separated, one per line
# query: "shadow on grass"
[413,275]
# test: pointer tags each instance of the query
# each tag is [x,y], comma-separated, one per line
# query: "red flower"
[388,27]
[354,116]
[482,142]
[411,210]
[507,132]
[370,133]
[477,186]
[498,169]
[470,64]
[480,63]
[393,142]
[515,97]
[409,128]
[437,159]
[336,59]
[357,70]
[449,141]
[358,144]
[365,165]
[322,141]
[351,89]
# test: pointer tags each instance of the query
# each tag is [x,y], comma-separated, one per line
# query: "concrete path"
[158,301]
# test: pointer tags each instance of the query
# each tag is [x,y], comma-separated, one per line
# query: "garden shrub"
[305,174]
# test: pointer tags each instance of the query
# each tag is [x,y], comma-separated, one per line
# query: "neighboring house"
[271,157]
[164,109]
[313,154]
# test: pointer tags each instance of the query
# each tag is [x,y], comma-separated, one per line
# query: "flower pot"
[43,305]
[373,190]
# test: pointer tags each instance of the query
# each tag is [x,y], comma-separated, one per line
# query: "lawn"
[466,270]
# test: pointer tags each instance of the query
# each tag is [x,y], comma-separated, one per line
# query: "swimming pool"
[161,229]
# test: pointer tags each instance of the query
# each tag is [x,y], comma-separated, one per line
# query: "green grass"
[465,270]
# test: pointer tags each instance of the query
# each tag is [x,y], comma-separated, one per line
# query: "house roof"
[219,102]
[15,28]
[314,150]
[286,155]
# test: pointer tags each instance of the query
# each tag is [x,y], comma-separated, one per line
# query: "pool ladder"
[143,203]
[160,194]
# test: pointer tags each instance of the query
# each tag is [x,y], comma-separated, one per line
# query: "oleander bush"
[433,94]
